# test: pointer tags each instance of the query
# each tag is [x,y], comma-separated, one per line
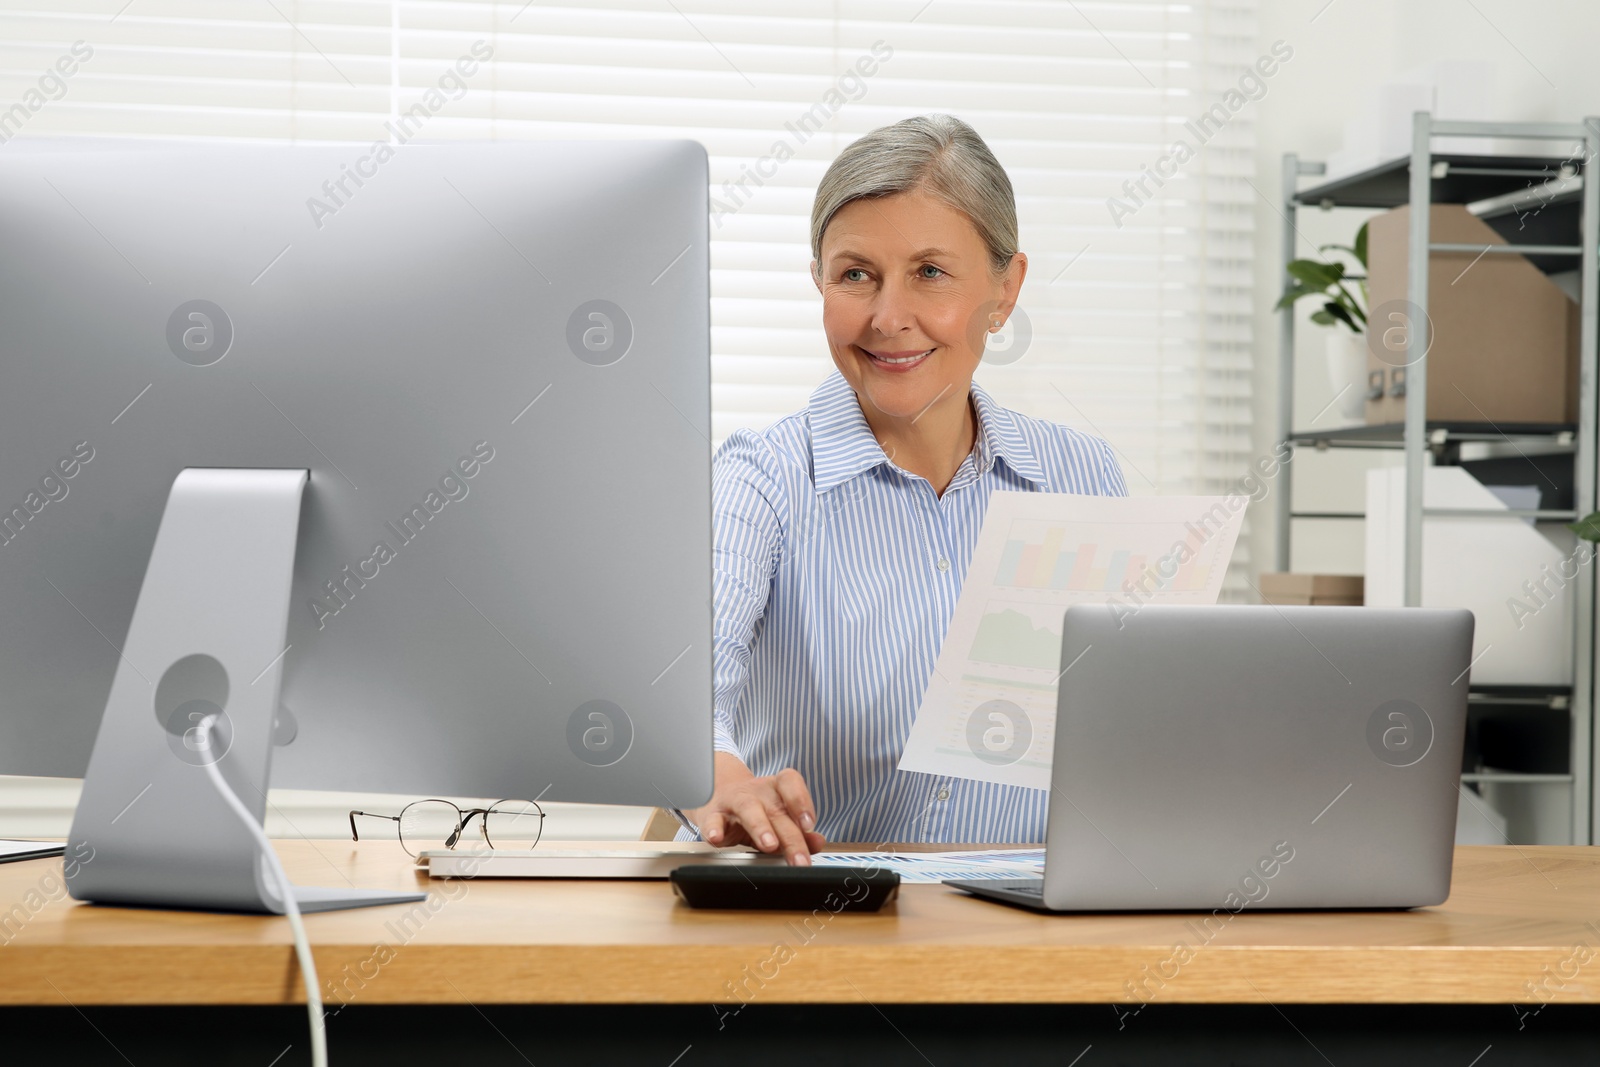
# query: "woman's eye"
[926,267]
[855,271]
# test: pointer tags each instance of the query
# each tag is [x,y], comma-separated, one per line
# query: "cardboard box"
[1505,343]
[1337,590]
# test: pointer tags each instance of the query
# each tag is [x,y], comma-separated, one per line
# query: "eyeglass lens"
[513,824]
[427,824]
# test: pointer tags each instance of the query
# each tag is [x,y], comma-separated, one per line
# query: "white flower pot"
[1347,371]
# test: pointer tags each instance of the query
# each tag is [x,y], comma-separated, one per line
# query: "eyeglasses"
[423,823]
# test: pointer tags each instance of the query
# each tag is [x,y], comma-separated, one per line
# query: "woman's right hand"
[772,813]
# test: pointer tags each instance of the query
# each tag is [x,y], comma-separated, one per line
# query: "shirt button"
[944,794]
[944,565]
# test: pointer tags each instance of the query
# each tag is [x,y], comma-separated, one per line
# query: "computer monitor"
[446,405]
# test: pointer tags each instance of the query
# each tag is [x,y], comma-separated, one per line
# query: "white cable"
[291,907]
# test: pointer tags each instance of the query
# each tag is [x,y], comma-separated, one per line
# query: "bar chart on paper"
[1055,556]
[989,710]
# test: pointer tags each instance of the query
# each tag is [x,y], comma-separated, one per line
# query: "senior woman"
[843,531]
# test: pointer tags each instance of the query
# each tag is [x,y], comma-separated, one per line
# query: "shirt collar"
[998,436]
[842,444]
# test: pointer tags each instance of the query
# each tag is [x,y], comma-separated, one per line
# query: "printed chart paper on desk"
[990,707]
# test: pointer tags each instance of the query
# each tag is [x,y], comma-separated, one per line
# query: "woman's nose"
[892,312]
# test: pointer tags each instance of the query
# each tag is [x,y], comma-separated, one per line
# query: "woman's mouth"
[897,361]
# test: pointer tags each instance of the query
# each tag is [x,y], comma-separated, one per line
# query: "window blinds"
[1137,303]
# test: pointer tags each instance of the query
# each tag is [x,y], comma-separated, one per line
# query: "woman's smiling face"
[908,297]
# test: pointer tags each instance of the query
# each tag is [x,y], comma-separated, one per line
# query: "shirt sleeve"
[1111,483]
[747,509]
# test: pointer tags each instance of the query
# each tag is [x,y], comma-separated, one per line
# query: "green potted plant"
[1324,280]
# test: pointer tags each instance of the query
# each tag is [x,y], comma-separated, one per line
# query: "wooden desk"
[1522,925]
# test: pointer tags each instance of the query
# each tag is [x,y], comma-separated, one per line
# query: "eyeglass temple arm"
[371,815]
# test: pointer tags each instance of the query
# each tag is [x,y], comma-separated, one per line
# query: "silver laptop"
[1237,758]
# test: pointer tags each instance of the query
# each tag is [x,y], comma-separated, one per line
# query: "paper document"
[29,850]
[990,707]
[931,867]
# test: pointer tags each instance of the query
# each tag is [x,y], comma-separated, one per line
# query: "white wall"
[1546,71]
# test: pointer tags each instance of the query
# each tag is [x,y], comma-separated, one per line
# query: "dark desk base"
[805,1036]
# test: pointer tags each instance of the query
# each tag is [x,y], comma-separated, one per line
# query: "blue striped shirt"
[835,576]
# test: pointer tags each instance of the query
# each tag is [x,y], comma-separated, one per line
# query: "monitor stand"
[207,637]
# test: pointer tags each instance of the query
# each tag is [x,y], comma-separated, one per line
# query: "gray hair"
[939,154]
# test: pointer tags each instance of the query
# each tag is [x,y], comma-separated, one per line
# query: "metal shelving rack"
[1427,177]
